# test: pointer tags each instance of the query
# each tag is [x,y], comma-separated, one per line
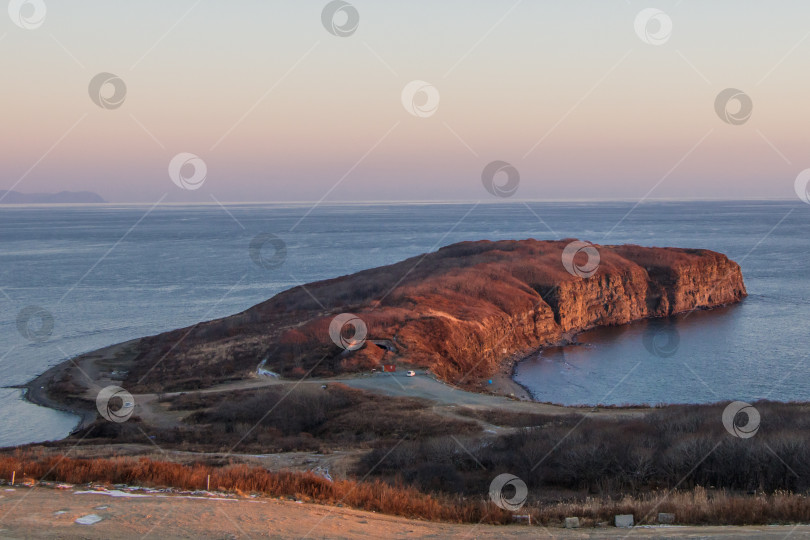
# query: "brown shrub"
[281,418]
[375,496]
[694,507]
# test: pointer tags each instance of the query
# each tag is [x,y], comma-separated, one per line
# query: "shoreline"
[503,384]
[36,391]
[508,395]
[503,392]
[37,394]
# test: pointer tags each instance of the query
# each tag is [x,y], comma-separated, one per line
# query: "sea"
[77,278]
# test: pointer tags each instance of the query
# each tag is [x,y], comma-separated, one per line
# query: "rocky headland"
[463,312]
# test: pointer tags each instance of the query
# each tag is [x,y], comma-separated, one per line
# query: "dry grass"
[283,418]
[374,496]
[673,447]
[693,507]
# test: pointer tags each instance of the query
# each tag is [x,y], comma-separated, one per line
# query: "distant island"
[63,197]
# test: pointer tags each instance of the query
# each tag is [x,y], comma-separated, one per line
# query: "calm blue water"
[179,265]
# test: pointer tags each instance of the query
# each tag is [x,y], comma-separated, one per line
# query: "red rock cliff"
[461,311]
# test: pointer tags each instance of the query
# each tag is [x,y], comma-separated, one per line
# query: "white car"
[411,373]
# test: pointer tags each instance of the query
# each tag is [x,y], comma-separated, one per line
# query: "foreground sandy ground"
[48,513]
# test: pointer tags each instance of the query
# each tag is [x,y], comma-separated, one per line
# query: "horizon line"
[406,202]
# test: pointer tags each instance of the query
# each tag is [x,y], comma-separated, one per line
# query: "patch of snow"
[194,497]
[113,493]
[89,519]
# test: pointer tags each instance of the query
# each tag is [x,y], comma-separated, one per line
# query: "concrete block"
[666,518]
[572,523]
[624,520]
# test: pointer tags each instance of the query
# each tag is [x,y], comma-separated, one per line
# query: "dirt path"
[48,513]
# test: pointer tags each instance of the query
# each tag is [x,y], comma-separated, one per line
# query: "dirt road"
[48,513]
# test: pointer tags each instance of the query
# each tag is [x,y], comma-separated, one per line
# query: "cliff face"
[461,312]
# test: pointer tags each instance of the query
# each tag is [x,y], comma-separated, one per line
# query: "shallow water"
[182,264]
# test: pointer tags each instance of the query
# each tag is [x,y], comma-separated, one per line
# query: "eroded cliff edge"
[461,312]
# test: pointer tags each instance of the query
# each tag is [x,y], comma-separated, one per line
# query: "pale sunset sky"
[280,109]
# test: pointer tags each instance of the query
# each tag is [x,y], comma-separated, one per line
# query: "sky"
[576,96]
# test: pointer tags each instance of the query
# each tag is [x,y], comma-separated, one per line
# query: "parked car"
[411,373]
